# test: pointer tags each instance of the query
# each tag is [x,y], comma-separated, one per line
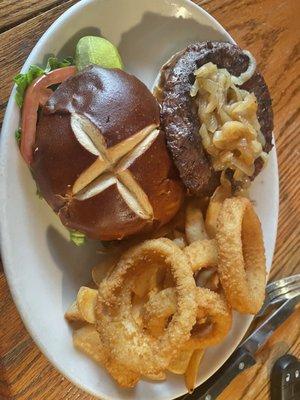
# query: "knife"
[243,357]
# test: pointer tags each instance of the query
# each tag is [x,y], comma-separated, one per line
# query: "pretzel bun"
[100,160]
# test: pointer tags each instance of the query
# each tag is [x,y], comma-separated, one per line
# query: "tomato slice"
[44,96]
[37,94]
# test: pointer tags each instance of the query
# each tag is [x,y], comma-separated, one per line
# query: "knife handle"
[285,378]
[240,360]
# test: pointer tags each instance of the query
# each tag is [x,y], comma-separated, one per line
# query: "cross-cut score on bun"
[100,159]
[111,166]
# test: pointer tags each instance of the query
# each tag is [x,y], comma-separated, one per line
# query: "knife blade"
[243,357]
[258,338]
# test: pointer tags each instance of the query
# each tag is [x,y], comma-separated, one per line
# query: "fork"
[285,291]
[280,291]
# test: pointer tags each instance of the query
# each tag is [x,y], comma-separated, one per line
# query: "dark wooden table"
[270,30]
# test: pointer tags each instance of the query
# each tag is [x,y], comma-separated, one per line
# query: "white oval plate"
[43,269]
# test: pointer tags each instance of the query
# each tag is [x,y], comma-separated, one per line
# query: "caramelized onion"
[245,76]
[230,130]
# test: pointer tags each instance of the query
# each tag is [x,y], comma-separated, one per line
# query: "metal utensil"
[286,291]
[279,291]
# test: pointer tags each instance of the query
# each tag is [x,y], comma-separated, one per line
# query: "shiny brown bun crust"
[119,106]
[153,171]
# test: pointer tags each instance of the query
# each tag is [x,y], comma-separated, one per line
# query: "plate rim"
[5,132]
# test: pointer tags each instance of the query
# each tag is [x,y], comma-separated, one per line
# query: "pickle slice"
[97,50]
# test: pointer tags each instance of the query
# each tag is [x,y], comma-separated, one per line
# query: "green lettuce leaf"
[77,237]
[55,63]
[18,135]
[24,80]
[38,193]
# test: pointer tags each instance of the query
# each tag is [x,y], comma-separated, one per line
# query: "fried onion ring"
[215,203]
[87,340]
[126,340]
[210,306]
[202,254]
[242,265]
[160,376]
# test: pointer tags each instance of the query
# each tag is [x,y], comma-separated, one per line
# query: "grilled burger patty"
[179,118]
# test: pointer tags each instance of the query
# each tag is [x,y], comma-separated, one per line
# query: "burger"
[99,157]
[217,116]
[113,160]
